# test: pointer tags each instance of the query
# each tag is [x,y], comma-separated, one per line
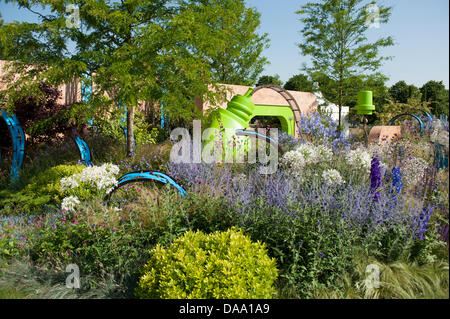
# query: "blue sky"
[420,29]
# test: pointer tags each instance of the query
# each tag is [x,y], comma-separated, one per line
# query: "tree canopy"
[299,82]
[436,93]
[269,79]
[135,50]
[334,36]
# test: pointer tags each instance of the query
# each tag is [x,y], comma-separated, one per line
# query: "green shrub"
[220,265]
[312,248]
[42,189]
[106,243]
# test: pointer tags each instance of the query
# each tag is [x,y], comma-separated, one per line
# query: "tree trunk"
[130,130]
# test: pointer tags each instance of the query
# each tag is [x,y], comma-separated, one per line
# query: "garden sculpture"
[418,119]
[18,141]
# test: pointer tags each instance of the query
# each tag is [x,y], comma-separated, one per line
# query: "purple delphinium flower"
[375,178]
[396,181]
[424,218]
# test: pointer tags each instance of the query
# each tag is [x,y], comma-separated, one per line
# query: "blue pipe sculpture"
[126,138]
[391,122]
[441,157]
[244,132]
[123,124]
[430,117]
[18,140]
[85,152]
[142,176]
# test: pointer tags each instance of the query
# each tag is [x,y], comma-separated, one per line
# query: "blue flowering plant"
[322,129]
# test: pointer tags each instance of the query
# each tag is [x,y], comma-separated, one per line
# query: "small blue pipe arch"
[85,152]
[391,122]
[143,176]
[244,132]
[428,115]
[18,141]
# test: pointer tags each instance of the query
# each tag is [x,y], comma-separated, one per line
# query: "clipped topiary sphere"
[221,265]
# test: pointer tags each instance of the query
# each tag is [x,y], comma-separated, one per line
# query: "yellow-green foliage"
[221,265]
[42,189]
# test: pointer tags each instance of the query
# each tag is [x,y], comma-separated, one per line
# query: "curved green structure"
[241,110]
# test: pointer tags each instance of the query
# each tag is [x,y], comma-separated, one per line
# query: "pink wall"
[306,101]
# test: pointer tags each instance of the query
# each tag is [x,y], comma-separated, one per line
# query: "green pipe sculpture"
[241,110]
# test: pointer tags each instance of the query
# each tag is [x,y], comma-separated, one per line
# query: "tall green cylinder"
[365,103]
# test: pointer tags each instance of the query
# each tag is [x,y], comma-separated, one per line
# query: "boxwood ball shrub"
[220,265]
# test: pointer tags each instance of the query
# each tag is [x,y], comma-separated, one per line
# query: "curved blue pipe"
[391,122]
[141,176]
[126,138]
[18,140]
[85,152]
[244,132]
[430,117]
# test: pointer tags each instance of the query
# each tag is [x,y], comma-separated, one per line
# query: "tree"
[334,36]
[435,93]
[414,92]
[134,50]
[374,82]
[412,106]
[235,50]
[269,79]
[299,82]
[400,92]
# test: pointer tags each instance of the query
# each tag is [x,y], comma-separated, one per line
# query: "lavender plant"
[322,129]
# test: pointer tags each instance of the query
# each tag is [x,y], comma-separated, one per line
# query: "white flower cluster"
[295,161]
[383,169]
[359,158]
[332,177]
[102,176]
[69,183]
[314,154]
[306,154]
[70,203]
[414,170]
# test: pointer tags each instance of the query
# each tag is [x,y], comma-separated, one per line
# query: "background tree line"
[432,96]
